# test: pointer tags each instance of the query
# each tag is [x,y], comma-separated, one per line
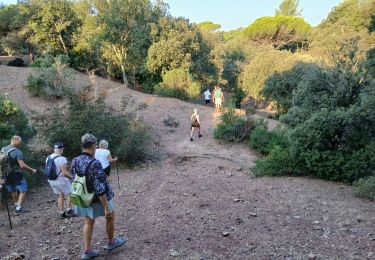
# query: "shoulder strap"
[54,158]
[88,166]
[8,155]
[10,150]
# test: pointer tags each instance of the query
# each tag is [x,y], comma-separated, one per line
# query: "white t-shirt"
[102,155]
[207,95]
[60,161]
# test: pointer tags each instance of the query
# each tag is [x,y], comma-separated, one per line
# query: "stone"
[225,233]
[311,256]
[252,214]
[174,253]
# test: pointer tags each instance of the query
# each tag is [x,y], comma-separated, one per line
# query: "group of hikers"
[217,97]
[94,163]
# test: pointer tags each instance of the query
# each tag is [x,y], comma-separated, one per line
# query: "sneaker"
[70,213]
[191,139]
[62,215]
[199,136]
[117,242]
[21,211]
[90,254]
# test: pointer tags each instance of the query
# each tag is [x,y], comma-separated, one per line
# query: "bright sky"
[232,14]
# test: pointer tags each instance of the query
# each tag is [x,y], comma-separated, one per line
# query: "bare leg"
[192,132]
[14,196]
[21,198]
[110,226]
[60,202]
[87,232]
[68,202]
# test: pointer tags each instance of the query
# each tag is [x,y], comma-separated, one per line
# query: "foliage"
[17,62]
[209,26]
[282,32]
[232,128]
[130,142]
[288,8]
[370,63]
[178,83]
[13,43]
[50,79]
[264,141]
[365,188]
[12,122]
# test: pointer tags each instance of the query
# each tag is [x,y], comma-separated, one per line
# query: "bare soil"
[199,201]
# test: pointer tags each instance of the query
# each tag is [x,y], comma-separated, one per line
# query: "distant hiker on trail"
[15,181]
[102,204]
[60,181]
[195,124]
[207,97]
[105,158]
[218,98]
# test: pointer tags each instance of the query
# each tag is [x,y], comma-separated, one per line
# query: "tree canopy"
[288,8]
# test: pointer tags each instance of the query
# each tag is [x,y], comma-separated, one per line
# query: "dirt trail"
[182,204]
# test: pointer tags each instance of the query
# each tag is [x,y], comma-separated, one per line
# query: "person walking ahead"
[102,205]
[61,185]
[104,156]
[195,124]
[15,181]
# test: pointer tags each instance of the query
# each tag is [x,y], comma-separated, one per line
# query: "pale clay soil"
[181,206]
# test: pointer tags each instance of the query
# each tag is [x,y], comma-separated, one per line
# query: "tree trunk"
[124,77]
[31,53]
[63,44]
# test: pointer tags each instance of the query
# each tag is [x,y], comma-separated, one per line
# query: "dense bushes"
[128,136]
[365,188]
[330,123]
[52,77]
[232,128]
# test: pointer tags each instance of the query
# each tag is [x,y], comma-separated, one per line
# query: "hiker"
[15,181]
[61,185]
[102,205]
[207,97]
[218,98]
[195,124]
[105,158]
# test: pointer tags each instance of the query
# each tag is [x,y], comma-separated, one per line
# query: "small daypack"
[6,167]
[80,195]
[50,170]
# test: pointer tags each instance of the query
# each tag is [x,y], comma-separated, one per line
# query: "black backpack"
[50,170]
[6,167]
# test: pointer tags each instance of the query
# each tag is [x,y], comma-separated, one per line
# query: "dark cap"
[58,145]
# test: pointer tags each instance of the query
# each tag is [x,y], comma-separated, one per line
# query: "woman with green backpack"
[85,167]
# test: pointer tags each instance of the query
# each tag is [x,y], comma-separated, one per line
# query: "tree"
[288,8]
[53,25]
[125,33]
[282,32]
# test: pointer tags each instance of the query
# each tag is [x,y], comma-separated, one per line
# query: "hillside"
[182,204]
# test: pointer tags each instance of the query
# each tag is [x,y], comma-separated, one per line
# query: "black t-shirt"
[17,175]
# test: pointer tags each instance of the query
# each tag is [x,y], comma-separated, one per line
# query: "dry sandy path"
[197,191]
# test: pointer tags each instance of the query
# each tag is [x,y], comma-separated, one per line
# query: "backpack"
[50,170]
[80,195]
[6,167]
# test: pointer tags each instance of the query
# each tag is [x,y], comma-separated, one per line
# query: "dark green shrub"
[164,91]
[17,62]
[35,86]
[365,188]
[232,128]
[128,137]
[279,162]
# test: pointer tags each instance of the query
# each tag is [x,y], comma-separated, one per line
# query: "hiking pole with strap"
[4,200]
[118,176]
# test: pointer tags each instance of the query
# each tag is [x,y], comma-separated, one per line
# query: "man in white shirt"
[207,96]
[61,185]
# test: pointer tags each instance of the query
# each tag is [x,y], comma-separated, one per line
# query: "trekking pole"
[5,202]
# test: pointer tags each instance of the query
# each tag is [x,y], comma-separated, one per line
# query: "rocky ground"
[199,201]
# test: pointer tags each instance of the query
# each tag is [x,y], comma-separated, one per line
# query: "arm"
[99,180]
[112,160]
[103,200]
[198,119]
[64,171]
[24,166]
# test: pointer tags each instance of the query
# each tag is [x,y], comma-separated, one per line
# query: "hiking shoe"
[90,254]
[117,242]
[199,136]
[21,211]
[191,139]
[62,215]
[70,213]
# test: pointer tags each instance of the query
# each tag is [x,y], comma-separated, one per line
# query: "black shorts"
[208,101]
[197,125]
[107,170]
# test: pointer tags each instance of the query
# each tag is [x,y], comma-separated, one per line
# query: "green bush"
[263,140]
[128,137]
[164,91]
[52,77]
[365,188]
[279,162]
[232,128]
[17,62]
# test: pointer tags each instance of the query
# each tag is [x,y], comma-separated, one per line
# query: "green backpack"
[80,195]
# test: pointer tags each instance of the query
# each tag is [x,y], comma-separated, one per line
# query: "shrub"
[232,128]
[171,122]
[365,188]
[17,62]
[164,91]
[128,136]
[52,79]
